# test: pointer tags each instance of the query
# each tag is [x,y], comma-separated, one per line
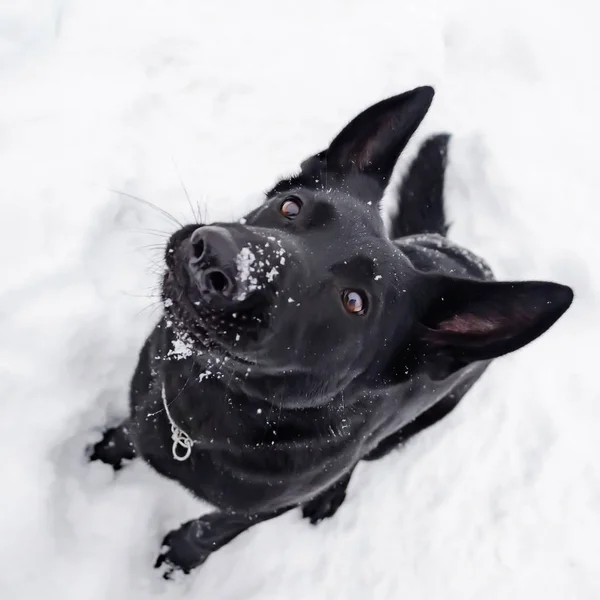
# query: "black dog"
[303,339]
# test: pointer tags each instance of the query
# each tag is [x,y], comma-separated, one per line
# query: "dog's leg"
[430,417]
[326,504]
[189,546]
[114,447]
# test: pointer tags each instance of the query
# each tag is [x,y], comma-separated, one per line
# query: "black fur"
[281,387]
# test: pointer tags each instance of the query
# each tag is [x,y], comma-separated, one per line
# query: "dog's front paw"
[326,504]
[179,554]
[114,448]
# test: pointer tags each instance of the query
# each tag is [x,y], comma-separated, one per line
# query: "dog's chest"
[248,459]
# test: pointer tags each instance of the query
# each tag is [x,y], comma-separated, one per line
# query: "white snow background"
[499,501]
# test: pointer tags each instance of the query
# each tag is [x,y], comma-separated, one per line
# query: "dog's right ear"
[372,142]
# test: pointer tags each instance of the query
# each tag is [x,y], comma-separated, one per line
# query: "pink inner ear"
[500,321]
[364,156]
[470,323]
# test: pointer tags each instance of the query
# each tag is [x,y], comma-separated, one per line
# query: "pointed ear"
[372,142]
[481,320]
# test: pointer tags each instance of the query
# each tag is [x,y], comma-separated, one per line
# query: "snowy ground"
[502,499]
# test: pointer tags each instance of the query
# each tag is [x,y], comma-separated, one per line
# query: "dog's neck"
[219,403]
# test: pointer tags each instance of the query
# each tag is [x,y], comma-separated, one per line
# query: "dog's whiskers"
[153,294]
[151,231]
[160,210]
[187,196]
[159,247]
[152,307]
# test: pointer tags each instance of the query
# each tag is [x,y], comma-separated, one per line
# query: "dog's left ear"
[480,320]
[372,142]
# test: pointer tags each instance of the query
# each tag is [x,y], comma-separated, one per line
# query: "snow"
[245,267]
[183,347]
[252,272]
[102,101]
[244,261]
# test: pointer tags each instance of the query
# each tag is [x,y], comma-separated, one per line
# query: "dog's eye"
[354,302]
[290,207]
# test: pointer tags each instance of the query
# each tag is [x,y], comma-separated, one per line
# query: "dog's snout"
[213,261]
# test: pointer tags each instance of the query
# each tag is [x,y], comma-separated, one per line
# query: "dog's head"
[309,293]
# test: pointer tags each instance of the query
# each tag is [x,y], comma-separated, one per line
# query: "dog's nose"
[212,240]
[213,261]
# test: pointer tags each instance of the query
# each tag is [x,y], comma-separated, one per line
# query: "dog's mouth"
[221,303]
[212,326]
